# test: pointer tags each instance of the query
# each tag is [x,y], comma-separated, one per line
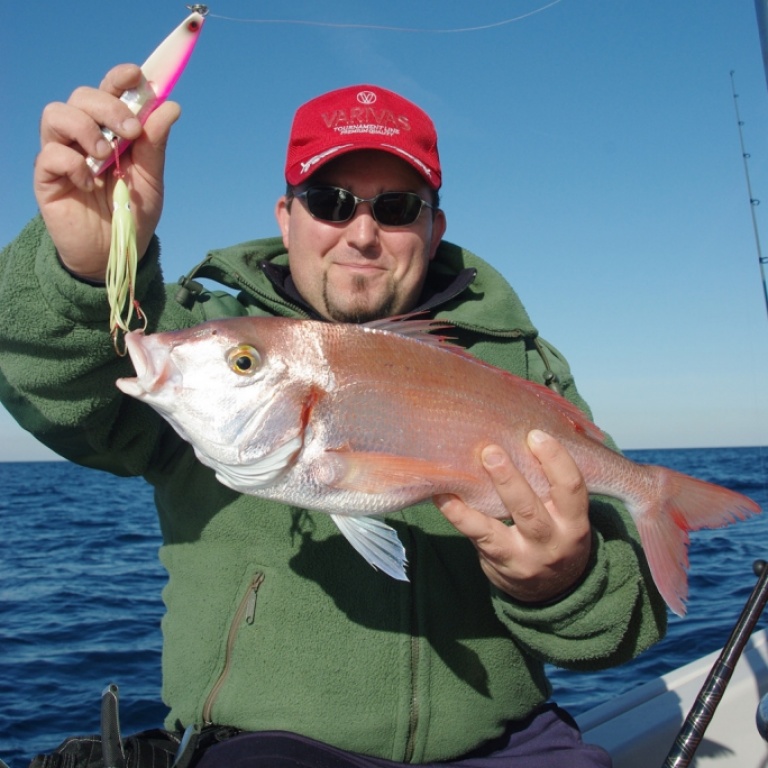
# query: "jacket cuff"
[594,591]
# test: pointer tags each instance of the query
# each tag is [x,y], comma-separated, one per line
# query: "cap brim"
[303,169]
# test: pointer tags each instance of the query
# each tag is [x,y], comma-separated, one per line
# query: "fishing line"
[384,28]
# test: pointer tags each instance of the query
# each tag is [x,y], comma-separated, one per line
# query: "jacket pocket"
[245,614]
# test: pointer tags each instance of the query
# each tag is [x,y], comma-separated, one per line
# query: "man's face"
[359,270]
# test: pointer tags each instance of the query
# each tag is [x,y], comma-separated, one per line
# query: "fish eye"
[244,360]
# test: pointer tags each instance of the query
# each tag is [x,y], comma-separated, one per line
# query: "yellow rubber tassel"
[121,266]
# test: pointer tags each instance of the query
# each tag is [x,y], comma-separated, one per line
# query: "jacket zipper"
[246,610]
[246,284]
[413,715]
[413,720]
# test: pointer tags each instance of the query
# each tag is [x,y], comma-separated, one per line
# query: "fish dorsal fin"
[377,542]
[422,329]
[414,327]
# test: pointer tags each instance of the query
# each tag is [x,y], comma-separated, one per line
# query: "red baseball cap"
[361,117]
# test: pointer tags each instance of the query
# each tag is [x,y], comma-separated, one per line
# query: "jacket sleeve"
[612,615]
[615,612]
[57,363]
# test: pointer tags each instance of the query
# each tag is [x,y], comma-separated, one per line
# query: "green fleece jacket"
[272,620]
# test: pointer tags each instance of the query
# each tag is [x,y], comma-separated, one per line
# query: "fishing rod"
[705,704]
[753,201]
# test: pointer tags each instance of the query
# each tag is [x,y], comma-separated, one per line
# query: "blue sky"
[590,152]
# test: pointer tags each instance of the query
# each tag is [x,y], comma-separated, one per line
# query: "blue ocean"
[81,608]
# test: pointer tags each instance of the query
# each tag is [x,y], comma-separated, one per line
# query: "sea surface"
[80,599]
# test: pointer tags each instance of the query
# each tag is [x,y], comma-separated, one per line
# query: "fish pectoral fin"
[261,472]
[386,473]
[377,542]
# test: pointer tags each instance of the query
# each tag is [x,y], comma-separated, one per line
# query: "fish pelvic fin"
[377,542]
[681,504]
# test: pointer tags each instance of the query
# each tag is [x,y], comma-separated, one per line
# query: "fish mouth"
[152,363]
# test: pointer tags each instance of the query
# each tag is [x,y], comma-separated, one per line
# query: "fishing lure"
[122,263]
[159,75]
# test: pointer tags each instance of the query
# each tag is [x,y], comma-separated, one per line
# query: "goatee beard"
[362,313]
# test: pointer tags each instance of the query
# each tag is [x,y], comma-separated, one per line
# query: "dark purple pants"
[548,739]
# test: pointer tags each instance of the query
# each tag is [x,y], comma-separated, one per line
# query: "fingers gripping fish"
[360,421]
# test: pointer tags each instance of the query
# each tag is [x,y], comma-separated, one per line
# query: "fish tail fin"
[680,504]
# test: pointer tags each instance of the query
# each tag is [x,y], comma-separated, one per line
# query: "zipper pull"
[250,606]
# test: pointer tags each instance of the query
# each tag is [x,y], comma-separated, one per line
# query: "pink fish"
[360,421]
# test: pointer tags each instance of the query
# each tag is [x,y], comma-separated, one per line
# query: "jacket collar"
[461,288]
[433,296]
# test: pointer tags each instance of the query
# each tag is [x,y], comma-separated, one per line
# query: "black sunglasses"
[337,205]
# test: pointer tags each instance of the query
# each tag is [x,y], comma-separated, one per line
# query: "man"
[273,626]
